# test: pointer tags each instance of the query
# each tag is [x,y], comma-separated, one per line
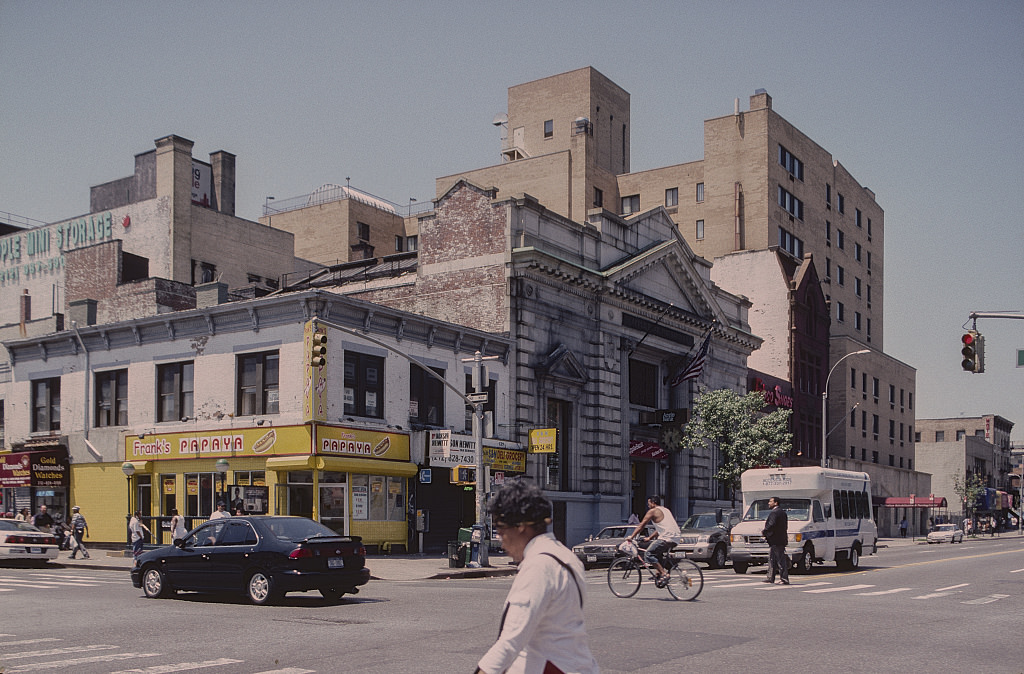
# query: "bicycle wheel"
[686,580]
[624,577]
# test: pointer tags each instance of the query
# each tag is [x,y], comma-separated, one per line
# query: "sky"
[921,101]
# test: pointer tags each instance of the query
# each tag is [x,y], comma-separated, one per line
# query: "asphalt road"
[916,608]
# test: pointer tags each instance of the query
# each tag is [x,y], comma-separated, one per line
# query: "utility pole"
[477,398]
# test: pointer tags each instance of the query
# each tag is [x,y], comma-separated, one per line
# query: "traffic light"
[972,349]
[318,351]
[464,475]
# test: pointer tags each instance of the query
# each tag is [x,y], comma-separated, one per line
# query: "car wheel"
[154,583]
[805,561]
[260,588]
[854,561]
[739,567]
[718,558]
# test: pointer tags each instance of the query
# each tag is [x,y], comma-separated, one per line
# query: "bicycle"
[685,579]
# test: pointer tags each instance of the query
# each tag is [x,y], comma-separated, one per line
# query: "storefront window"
[200,493]
[559,416]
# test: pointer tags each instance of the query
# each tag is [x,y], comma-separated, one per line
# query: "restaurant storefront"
[353,480]
[38,476]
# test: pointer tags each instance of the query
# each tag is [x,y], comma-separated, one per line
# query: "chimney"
[25,312]
[82,311]
[211,294]
[223,164]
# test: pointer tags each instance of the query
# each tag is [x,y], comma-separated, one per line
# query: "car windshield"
[612,532]
[17,525]
[796,509]
[704,521]
[297,529]
[945,527]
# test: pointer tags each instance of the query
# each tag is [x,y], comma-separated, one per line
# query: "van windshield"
[796,509]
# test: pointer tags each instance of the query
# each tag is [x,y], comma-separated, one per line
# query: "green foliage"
[968,488]
[746,437]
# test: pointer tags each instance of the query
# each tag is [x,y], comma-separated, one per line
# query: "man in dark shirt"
[776,534]
[43,520]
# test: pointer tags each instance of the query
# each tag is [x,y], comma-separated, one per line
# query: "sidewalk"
[382,567]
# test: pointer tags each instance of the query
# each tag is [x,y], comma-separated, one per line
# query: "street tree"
[745,435]
[968,487]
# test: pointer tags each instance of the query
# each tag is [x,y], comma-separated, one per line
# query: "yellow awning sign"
[228,443]
[542,440]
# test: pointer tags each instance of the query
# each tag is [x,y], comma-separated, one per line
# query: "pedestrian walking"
[903,528]
[136,527]
[178,529]
[43,520]
[542,626]
[79,530]
[776,534]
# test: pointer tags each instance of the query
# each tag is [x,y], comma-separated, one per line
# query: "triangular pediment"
[562,364]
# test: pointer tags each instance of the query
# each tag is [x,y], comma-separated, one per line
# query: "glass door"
[333,506]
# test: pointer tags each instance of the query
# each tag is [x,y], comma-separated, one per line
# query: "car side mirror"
[180,543]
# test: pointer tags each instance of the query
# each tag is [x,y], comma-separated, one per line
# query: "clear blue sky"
[921,101]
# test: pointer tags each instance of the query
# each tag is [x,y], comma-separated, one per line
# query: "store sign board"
[507,460]
[35,469]
[542,440]
[214,444]
[339,441]
[448,450]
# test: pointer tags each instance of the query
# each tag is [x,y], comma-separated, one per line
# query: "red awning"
[642,449]
[915,502]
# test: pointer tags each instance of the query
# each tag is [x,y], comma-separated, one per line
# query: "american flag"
[696,365]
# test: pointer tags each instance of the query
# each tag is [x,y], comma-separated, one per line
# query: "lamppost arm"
[824,403]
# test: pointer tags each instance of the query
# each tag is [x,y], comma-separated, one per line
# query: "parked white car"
[23,542]
[946,533]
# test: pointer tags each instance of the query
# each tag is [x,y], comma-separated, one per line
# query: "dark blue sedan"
[261,556]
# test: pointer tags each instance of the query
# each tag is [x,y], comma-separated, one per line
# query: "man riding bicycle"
[666,530]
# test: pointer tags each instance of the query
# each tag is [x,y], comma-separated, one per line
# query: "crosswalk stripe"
[952,587]
[838,589]
[289,670]
[25,642]
[59,664]
[986,600]
[1017,570]
[933,595]
[19,583]
[59,651]
[881,592]
[179,667]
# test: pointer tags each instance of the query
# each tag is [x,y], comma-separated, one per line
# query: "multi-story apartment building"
[991,429]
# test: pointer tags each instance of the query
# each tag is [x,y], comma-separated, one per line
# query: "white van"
[829,514]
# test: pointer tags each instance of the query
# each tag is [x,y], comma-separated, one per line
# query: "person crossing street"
[79,529]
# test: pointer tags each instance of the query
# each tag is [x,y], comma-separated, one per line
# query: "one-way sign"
[477,397]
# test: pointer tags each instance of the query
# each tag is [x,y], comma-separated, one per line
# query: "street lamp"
[222,467]
[128,468]
[824,403]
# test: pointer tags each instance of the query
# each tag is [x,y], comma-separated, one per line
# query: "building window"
[549,128]
[630,204]
[840,275]
[869,261]
[856,285]
[203,272]
[672,197]
[556,465]
[426,396]
[112,398]
[874,456]
[874,425]
[700,230]
[412,243]
[175,391]
[869,329]
[791,163]
[399,244]
[364,384]
[362,231]
[790,243]
[856,251]
[791,204]
[868,293]
[853,378]
[892,430]
[598,197]
[892,395]
[828,195]
[643,384]
[257,384]
[840,313]
[869,229]
[856,212]
[46,405]
[828,267]
[892,460]
[828,233]
[840,239]
[700,192]
[856,320]
[940,436]
[960,435]
[840,202]
[910,400]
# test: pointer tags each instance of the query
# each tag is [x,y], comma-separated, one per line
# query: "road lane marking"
[25,642]
[58,664]
[986,600]
[180,667]
[952,587]
[838,589]
[21,583]
[934,595]
[881,592]
[289,670]
[1017,570]
[59,651]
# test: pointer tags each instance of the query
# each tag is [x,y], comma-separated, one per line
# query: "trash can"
[455,559]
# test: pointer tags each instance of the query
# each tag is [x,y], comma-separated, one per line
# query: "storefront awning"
[643,449]
[915,502]
[343,464]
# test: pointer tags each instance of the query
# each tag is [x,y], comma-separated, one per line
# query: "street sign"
[424,476]
[477,398]
[1020,357]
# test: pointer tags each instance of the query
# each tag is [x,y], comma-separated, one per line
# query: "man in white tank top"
[666,530]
